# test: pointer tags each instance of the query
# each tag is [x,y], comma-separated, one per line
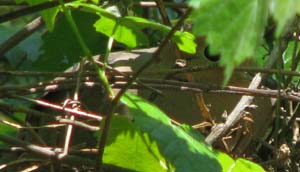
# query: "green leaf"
[124,30]
[246,165]
[132,149]
[61,48]
[283,10]
[185,152]
[231,165]
[232,28]
[226,161]
[129,30]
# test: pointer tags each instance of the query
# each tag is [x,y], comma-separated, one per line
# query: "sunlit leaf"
[185,152]
[129,30]
[283,10]
[232,28]
[246,165]
[130,148]
[226,161]
[231,165]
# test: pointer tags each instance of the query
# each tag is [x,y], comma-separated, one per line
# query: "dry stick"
[76,112]
[7,110]
[21,35]
[17,73]
[115,71]
[31,147]
[43,87]
[8,91]
[231,91]
[160,84]
[162,71]
[162,10]
[238,112]
[29,10]
[10,3]
[69,130]
[117,98]
[147,4]
[203,86]
[24,109]
[212,88]
[214,67]
[295,57]
[78,124]
[45,151]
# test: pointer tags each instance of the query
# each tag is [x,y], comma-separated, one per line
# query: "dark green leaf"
[61,48]
[185,152]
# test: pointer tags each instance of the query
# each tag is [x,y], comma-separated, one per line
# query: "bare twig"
[78,124]
[29,10]
[163,13]
[237,113]
[116,99]
[10,3]
[20,35]
[151,4]
[76,112]
[24,109]
[31,147]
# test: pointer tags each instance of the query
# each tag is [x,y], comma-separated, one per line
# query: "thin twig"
[152,4]
[11,3]
[14,40]
[76,112]
[237,113]
[29,10]
[24,109]
[208,88]
[163,13]
[116,99]
[78,124]
[31,147]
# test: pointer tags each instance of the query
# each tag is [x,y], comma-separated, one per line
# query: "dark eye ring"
[209,56]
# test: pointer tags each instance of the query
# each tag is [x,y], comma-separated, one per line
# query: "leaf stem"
[114,103]
[85,49]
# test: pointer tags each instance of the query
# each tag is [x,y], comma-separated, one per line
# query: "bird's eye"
[209,56]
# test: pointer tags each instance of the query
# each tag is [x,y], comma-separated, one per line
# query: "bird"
[182,106]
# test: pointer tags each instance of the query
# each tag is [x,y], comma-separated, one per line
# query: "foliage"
[182,147]
[250,17]
[244,23]
[139,152]
[142,137]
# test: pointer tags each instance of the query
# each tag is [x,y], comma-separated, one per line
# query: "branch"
[237,113]
[29,10]
[20,35]
[115,101]
[151,4]
[72,111]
